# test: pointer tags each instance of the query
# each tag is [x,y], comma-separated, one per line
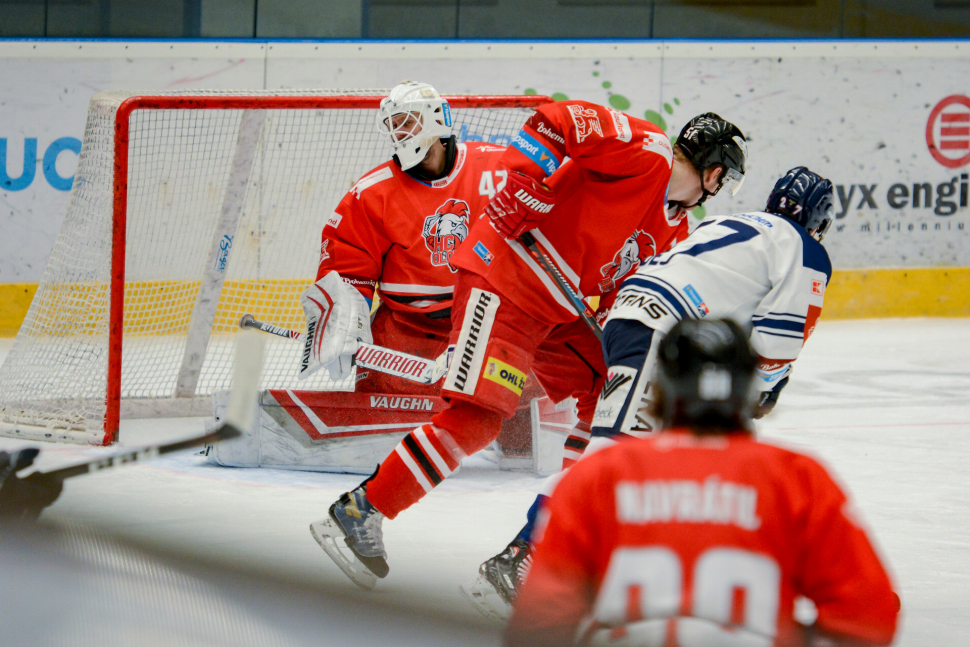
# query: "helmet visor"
[732,181]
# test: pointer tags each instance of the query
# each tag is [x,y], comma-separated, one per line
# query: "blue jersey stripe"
[780,324]
[661,291]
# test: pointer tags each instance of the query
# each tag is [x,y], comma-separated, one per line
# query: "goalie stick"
[583,310]
[369,356]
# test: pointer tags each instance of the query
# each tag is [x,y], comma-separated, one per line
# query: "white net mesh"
[181,167]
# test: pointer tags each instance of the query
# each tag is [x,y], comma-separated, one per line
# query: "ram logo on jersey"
[445,229]
[697,300]
[637,248]
[587,122]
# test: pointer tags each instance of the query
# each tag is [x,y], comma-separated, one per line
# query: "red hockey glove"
[520,206]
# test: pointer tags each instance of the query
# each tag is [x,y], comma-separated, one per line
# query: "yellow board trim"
[915,292]
[852,294]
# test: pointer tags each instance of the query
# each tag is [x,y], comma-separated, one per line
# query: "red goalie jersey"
[686,540]
[402,232]
[610,212]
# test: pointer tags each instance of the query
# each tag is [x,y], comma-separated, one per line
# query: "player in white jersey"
[764,270]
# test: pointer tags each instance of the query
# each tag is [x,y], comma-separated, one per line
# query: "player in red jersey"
[623,182]
[700,534]
[395,231]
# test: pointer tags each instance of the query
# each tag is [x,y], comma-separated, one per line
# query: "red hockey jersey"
[685,538]
[610,212]
[393,229]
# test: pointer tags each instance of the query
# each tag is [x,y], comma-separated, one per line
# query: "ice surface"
[885,403]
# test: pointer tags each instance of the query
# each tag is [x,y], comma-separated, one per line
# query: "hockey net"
[187,211]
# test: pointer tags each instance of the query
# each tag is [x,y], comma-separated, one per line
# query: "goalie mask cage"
[187,211]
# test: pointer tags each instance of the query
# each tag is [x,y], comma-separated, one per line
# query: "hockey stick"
[247,370]
[583,310]
[369,356]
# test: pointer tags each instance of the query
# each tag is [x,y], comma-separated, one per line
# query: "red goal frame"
[120,189]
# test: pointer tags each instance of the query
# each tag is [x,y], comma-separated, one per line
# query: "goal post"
[189,209]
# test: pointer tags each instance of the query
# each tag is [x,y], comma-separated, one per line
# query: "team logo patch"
[483,253]
[505,374]
[616,387]
[324,254]
[696,299]
[587,122]
[444,230]
[637,248]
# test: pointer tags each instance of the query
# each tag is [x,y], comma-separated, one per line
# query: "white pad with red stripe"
[338,319]
[323,431]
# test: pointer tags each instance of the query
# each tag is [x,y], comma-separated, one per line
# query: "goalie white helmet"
[413,117]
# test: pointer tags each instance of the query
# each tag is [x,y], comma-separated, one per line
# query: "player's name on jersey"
[713,501]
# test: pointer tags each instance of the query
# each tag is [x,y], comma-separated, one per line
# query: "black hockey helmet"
[705,372]
[707,140]
[806,198]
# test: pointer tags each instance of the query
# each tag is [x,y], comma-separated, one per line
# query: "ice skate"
[361,554]
[498,581]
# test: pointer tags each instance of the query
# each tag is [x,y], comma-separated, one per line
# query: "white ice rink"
[885,403]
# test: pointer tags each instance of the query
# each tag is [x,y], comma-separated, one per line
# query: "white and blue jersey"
[759,269]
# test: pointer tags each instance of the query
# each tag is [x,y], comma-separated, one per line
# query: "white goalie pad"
[322,431]
[352,433]
[551,424]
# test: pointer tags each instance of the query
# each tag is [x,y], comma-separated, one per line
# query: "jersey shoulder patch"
[372,178]
[659,143]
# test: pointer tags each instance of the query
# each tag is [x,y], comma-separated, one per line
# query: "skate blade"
[327,534]
[486,599]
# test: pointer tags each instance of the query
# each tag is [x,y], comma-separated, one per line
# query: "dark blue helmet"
[806,198]
[705,373]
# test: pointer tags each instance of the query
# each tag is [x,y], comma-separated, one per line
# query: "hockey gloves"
[338,319]
[768,400]
[23,499]
[520,205]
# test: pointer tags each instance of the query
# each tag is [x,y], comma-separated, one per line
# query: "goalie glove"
[338,319]
[520,205]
